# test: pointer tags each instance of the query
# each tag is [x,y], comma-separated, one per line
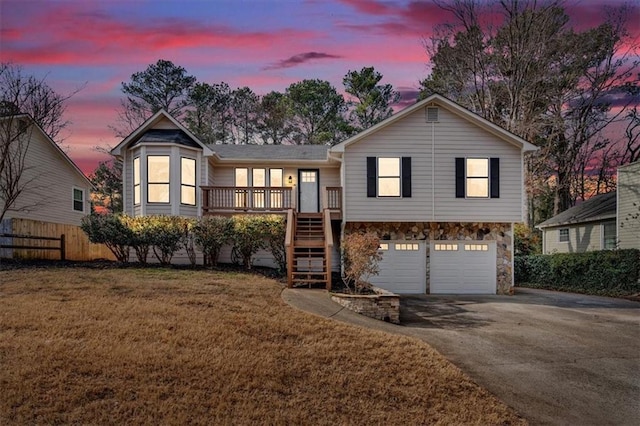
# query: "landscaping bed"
[377,303]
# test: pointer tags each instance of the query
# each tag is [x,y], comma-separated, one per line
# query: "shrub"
[141,228]
[526,240]
[607,273]
[188,239]
[167,236]
[109,230]
[360,257]
[248,236]
[210,234]
[275,230]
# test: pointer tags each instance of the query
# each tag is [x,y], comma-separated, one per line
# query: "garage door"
[463,267]
[402,268]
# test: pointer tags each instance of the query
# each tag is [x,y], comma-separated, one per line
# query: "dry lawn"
[163,346]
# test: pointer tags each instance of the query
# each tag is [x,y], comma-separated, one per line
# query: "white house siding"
[127,171]
[49,195]
[433,199]
[628,229]
[585,237]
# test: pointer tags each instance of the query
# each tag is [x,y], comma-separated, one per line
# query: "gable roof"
[147,126]
[175,136]
[600,207]
[51,142]
[270,152]
[449,105]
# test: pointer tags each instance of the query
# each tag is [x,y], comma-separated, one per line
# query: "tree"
[317,113]
[107,183]
[539,78]
[210,117]
[25,102]
[372,100]
[162,85]
[274,118]
[245,105]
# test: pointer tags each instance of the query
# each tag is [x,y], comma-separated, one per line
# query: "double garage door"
[456,267]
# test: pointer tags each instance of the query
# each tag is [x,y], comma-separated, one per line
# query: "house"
[55,190]
[441,186]
[586,227]
[604,222]
[628,206]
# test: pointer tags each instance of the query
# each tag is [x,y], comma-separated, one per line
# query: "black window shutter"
[460,187]
[406,177]
[371,177]
[495,177]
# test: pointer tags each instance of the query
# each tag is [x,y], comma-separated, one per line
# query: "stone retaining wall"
[383,305]
[501,233]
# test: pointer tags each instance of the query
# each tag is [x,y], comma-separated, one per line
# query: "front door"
[308,191]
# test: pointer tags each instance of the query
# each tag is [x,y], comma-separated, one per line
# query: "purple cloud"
[299,59]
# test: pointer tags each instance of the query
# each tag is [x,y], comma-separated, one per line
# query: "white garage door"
[463,267]
[402,268]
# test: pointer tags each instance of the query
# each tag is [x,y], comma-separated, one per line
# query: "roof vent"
[432,114]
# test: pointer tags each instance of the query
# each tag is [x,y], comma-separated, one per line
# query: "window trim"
[73,199]
[560,240]
[486,178]
[139,184]
[195,182]
[149,183]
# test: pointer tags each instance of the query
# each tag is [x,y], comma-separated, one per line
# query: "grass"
[169,346]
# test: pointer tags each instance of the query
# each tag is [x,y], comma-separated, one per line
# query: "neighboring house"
[588,226]
[441,186]
[628,218]
[56,190]
[604,222]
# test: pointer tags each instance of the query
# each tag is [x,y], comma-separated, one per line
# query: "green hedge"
[605,273]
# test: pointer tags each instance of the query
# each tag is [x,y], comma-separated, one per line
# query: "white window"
[136,180]
[477,177]
[259,181]
[564,235]
[78,200]
[276,181]
[388,177]
[445,247]
[308,177]
[158,178]
[476,247]
[188,181]
[242,180]
[609,236]
[406,247]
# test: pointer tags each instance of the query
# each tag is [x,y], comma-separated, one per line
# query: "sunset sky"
[263,44]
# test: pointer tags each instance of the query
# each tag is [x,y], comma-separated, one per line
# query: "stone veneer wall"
[501,233]
[383,305]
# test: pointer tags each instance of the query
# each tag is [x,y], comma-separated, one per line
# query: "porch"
[225,200]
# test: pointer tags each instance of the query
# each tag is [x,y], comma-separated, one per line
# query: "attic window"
[432,114]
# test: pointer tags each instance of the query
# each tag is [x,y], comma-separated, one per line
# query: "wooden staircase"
[310,262]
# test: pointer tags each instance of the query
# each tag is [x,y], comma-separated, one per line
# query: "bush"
[210,234]
[275,230]
[526,240]
[248,236]
[607,273]
[109,230]
[188,239]
[141,228]
[360,257]
[167,236]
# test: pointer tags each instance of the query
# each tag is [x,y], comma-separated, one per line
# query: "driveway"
[556,358]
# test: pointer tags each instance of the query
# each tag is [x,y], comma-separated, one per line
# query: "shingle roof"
[271,152]
[596,208]
[176,136]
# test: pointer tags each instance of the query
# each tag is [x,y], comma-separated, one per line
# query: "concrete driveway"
[556,358]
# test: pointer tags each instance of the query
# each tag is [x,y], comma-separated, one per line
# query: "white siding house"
[433,178]
[56,190]
[628,219]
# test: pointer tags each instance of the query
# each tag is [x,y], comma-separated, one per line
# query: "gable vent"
[432,114]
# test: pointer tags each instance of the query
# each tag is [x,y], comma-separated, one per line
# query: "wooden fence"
[76,247]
